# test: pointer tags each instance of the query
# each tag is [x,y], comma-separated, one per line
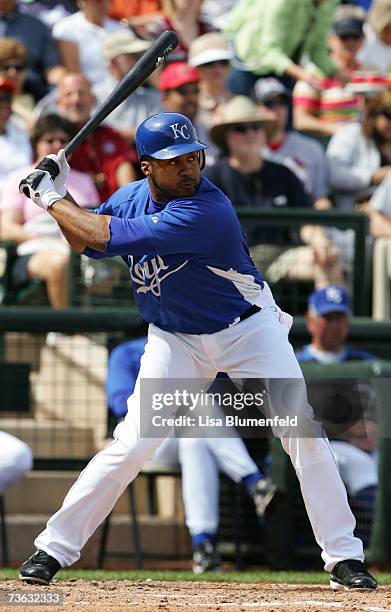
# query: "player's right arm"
[81,228]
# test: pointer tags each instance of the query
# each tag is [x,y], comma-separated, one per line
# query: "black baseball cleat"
[206,558]
[266,496]
[351,575]
[39,568]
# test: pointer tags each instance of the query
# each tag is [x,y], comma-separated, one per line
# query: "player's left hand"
[40,188]
[58,168]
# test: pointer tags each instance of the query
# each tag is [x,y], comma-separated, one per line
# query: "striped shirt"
[332,103]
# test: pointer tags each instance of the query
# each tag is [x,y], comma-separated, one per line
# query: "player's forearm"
[81,228]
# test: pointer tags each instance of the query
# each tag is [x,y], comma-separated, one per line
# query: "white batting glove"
[58,169]
[61,180]
[40,188]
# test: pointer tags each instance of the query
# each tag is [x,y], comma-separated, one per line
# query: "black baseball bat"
[144,67]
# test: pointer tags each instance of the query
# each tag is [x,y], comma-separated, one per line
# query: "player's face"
[329,331]
[173,178]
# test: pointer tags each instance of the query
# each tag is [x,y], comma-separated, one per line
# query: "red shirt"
[100,155]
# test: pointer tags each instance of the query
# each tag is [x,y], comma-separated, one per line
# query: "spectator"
[271,38]
[179,87]
[136,13]
[249,180]
[80,38]
[328,325]
[16,460]
[183,17]
[43,60]
[359,154]
[15,149]
[48,11]
[200,460]
[303,155]
[376,51]
[215,12]
[42,251]
[121,51]
[13,67]
[105,155]
[322,110]
[380,210]
[212,57]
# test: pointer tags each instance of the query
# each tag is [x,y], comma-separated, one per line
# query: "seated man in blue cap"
[328,324]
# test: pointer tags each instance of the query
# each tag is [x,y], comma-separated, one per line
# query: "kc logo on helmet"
[180,131]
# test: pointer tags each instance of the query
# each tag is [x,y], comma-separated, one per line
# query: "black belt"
[249,312]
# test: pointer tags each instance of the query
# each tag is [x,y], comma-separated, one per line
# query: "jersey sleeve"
[182,228]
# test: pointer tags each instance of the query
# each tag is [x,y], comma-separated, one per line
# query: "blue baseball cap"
[330,299]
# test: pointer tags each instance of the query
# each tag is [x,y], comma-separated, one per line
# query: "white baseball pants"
[257,347]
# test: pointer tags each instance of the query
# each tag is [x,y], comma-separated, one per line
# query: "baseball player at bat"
[209,310]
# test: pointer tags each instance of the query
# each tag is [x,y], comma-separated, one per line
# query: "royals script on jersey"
[188,259]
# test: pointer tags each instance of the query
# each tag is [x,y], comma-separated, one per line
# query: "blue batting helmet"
[167,135]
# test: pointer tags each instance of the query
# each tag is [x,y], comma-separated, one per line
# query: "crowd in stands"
[311,126]
[292,97]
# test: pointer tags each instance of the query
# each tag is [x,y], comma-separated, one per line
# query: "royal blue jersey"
[189,263]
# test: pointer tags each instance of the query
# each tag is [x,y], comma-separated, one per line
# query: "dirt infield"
[151,595]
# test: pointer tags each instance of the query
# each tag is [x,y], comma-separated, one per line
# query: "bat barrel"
[144,67]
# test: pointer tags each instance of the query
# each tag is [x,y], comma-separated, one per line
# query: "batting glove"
[58,168]
[40,188]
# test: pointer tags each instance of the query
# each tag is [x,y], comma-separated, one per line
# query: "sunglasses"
[51,141]
[8,67]
[351,36]
[5,98]
[222,63]
[186,90]
[242,128]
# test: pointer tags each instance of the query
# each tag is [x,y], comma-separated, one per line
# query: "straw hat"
[240,109]
[123,42]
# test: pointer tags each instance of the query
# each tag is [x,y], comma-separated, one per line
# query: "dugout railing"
[105,283]
[52,371]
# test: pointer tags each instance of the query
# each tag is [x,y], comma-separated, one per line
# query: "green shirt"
[267,33]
